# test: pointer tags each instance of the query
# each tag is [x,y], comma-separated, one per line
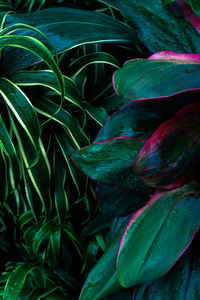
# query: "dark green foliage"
[60,103]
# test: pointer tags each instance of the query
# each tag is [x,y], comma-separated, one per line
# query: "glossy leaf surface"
[102,280]
[182,282]
[138,120]
[60,26]
[169,152]
[164,228]
[161,75]
[158,28]
[110,161]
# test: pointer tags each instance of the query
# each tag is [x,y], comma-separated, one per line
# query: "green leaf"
[182,282]
[3,176]
[102,279]
[47,78]
[137,120]
[8,147]
[61,199]
[63,117]
[43,233]
[195,4]
[60,26]
[158,28]
[110,162]
[113,201]
[163,74]
[169,153]
[36,47]
[23,111]
[92,58]
[66,147]
[164,227]
[98,114]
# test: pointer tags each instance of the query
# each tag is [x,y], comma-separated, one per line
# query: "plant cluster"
[99,172]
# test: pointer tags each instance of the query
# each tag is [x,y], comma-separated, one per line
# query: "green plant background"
[57,63]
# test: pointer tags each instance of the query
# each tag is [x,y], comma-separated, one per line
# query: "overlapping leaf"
[47,79]
[24,114]
[163,74]
[8,147]
[102,279]
[158,28]
[182,282]
[60,26]
[113,201]
[110,161]
[163,228]
[169,152]
[136,120]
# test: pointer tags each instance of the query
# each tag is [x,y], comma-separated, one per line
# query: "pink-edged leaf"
[161,75]
[137,119]
[169,152]
[188,13]
[182,282]
[110,162]
[158,28]
[158,234]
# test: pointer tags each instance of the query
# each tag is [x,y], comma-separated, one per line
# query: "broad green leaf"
[110,162]
[8,147]
[113,201]
[92,58]
[137,120]
[15,27]
[195,4]
[17,280]
[164,227]
[181,282]
[169,153]
[60,26]
[163,74]
[48,79]
[158,28]
[102,279]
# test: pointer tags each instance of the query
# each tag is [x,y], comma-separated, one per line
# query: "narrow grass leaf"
[60,25]
[23,111]
[92,58]
[61,199]
[9,149]
[47,78]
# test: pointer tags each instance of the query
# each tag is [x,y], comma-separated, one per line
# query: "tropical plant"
[57,61]
[44,118]
[145,161]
